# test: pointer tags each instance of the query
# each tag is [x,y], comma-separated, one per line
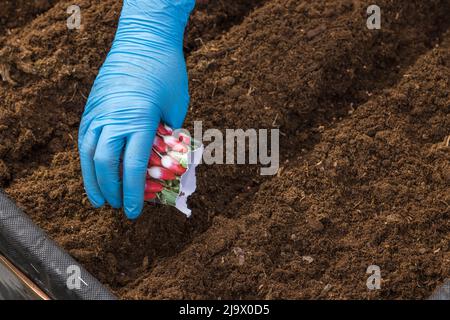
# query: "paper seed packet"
[171,175]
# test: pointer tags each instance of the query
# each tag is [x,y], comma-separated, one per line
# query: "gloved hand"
[142,82]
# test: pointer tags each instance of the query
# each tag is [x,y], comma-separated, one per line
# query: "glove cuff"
[160,21]
[179,9]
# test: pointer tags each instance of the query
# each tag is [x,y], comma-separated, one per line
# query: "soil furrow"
[214,18]
[57,76]
[297,84]
[368,194]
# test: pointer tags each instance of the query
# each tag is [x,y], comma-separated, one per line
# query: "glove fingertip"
[133,212]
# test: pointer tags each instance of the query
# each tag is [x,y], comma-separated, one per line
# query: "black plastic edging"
[442,293]
[42,260]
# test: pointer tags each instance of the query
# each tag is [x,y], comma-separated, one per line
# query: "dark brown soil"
[14,13]
[365,176]
[213,17]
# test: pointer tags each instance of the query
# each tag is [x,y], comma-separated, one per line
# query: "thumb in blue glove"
[142,82]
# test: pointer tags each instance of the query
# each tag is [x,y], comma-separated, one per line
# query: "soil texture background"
[364,180]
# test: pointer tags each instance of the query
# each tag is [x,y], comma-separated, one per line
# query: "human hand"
[142,82]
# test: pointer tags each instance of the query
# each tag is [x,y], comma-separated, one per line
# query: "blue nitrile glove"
[142,82]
